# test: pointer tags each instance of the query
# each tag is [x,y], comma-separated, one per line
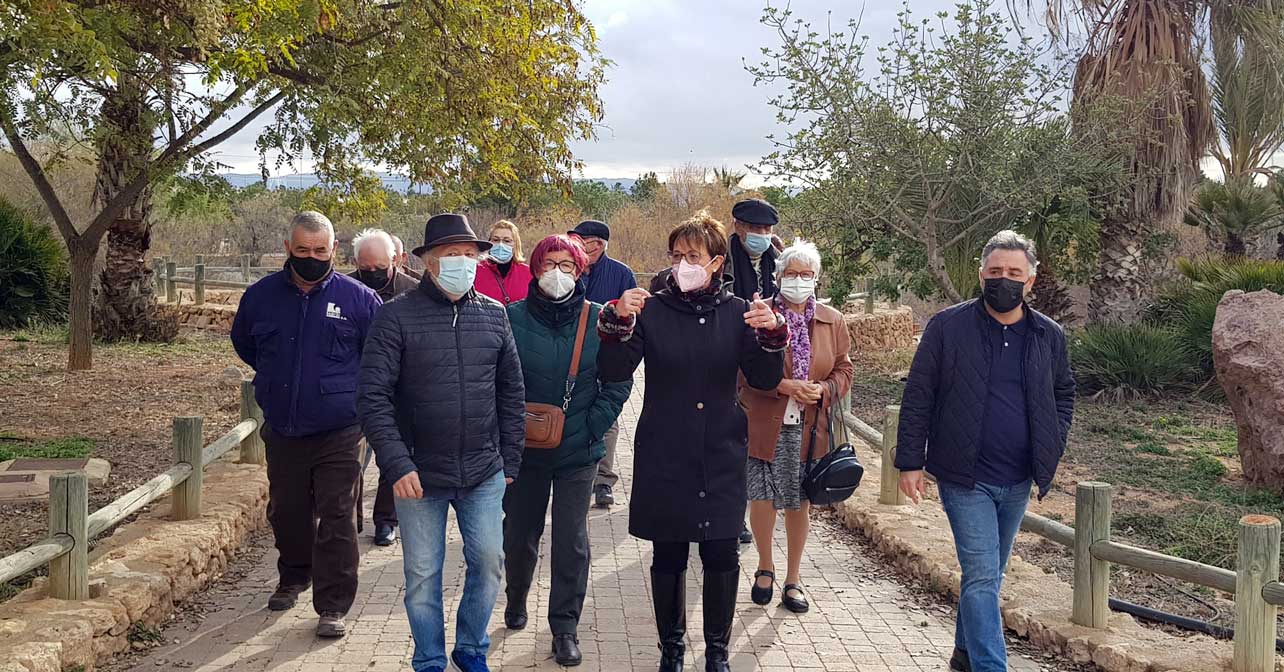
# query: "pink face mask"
[690,276]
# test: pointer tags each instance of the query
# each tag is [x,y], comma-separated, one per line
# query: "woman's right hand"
[802,391]
[631,302]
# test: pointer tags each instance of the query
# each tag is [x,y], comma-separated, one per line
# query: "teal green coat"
[545,335]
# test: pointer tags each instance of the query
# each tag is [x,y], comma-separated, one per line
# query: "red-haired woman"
[545,327]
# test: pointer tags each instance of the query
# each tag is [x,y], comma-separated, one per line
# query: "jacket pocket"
[338,396]
[341,340]
[265,345]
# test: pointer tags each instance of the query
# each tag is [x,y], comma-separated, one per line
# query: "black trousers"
[385,509]
[525,505]
[718,555]
[311,485]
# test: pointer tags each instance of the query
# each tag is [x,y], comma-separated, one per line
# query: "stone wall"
[136,575]
[887,328]
[212,316]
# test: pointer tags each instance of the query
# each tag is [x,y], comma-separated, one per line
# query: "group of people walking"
[493,386]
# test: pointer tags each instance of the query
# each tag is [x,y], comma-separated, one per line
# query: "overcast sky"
[678,91]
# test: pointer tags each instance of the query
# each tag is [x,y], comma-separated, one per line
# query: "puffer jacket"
[545,335]
[943,408]
[440,389]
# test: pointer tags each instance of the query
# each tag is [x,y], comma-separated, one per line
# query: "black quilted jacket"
[440,389]
[944,403]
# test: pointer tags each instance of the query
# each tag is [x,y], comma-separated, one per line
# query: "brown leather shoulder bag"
[545,422]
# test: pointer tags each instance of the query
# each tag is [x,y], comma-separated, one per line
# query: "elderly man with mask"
[403,261]
[378,269]
[301,329]
[443,403]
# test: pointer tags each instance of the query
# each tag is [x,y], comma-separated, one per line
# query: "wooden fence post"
[158,274]
[252,451]
[889,480]
[1259,564]
[199,284]
[200,260]
[187,449]
[68,515]
[1091,575]
[869,301]
[171,287]
[245,268]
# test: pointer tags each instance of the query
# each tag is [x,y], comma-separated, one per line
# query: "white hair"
[800,250]
[377,236]
[397,242]
[311,220]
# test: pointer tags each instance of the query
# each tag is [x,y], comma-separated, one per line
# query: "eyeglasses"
[805,275]
[693,258]
[564,266]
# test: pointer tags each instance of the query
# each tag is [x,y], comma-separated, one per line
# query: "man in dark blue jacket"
[443,404]
[301,329]
[605,281]
[986,410]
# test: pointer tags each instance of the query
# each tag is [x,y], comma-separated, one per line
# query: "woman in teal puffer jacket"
[544,326]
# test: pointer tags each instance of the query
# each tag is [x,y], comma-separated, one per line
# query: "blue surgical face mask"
[501,253]
[456,274]
[757,243]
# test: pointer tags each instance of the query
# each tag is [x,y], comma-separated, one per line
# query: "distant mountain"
[391,182]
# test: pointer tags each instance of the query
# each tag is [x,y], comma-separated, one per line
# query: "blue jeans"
[985,520]
[480,514]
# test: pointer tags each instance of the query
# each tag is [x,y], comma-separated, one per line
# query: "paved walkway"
[859,620]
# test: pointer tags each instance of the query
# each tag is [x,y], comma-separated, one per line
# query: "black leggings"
[718,555]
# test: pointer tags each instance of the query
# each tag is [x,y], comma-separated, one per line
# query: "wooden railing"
[71,526]
[1256,586]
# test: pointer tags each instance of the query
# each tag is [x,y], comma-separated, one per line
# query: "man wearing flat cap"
[605,280]
[753,257]
[443,405]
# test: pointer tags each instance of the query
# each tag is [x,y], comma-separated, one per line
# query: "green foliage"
[1203,533]
[596,200]
[33,271]
[646,187]
[1236,211]
[71,447]
[1130,360]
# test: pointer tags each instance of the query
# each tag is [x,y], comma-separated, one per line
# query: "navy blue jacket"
[305,350]
[943,408]
[608,280]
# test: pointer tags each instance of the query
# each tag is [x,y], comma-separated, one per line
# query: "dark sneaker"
[467,663]
[385,535]
[959,662]
[566,650]
[602,497]
[331,625]
[746,537]
[515,620]
[285,597]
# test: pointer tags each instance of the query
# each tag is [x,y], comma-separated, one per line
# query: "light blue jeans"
[985,520]
[480,512]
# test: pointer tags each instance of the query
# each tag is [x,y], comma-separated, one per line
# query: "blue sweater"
[305,350]
[607,280]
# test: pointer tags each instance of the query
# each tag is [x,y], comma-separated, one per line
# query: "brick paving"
[860,620]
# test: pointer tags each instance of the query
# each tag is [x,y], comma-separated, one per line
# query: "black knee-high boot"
[719,611]
[669,596]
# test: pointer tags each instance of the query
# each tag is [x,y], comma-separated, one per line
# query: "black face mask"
[308,268]
[1003,294]
[375,279]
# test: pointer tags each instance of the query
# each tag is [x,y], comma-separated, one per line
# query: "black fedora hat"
[448,228]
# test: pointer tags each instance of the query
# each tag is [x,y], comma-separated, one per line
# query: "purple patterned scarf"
[799,336]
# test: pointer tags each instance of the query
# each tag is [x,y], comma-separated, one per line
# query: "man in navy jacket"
[986,410]
[301,329]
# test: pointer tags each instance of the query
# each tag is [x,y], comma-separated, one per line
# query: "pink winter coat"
[505,290]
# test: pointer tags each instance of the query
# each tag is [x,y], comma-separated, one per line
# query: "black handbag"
[834,477]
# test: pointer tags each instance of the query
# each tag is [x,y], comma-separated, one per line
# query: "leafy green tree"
[1237,211]
[597,200]
[33,271]
[474,92]
[646,187]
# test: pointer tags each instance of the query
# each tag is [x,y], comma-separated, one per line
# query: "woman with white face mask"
[547,326]
[818,372]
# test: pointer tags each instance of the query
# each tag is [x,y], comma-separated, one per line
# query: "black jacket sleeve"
[919,400]
[622,346]
[376,385]
[763,368]
[510,404]
[1063,387]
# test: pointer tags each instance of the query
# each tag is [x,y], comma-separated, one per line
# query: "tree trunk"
[125,308]
[80,356]
[936,266]
[1235,246]
[1121,284]
[1050,297]
[1279,251]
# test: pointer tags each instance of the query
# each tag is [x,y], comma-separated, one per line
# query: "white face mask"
[797,290]
[557,284]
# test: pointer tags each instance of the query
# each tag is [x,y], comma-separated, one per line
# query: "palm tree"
[728,178]
[1237,211]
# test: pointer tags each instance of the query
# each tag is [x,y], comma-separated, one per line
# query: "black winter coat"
[440,389]
[943,407]
[691,443]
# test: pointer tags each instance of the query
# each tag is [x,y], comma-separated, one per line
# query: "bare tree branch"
[38,177]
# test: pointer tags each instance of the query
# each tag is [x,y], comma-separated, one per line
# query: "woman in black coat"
[691,442]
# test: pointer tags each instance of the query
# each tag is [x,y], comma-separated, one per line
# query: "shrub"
[1130,360]
[34,281]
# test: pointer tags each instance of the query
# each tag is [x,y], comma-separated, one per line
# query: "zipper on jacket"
[459,359]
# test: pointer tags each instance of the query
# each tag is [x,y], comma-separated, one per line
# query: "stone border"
[1035,603]
[136,576]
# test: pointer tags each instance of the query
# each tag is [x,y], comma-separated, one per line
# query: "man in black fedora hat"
[451,439]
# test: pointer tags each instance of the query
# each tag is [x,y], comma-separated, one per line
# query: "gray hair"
[375,236]
[311,220]
[397,242]
[800,250]
[1010,240]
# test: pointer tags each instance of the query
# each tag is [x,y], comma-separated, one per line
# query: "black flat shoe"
[385,535]
[746,537]
[959,662]
[759,595]
[566,650]
[514,620]
[798,605]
